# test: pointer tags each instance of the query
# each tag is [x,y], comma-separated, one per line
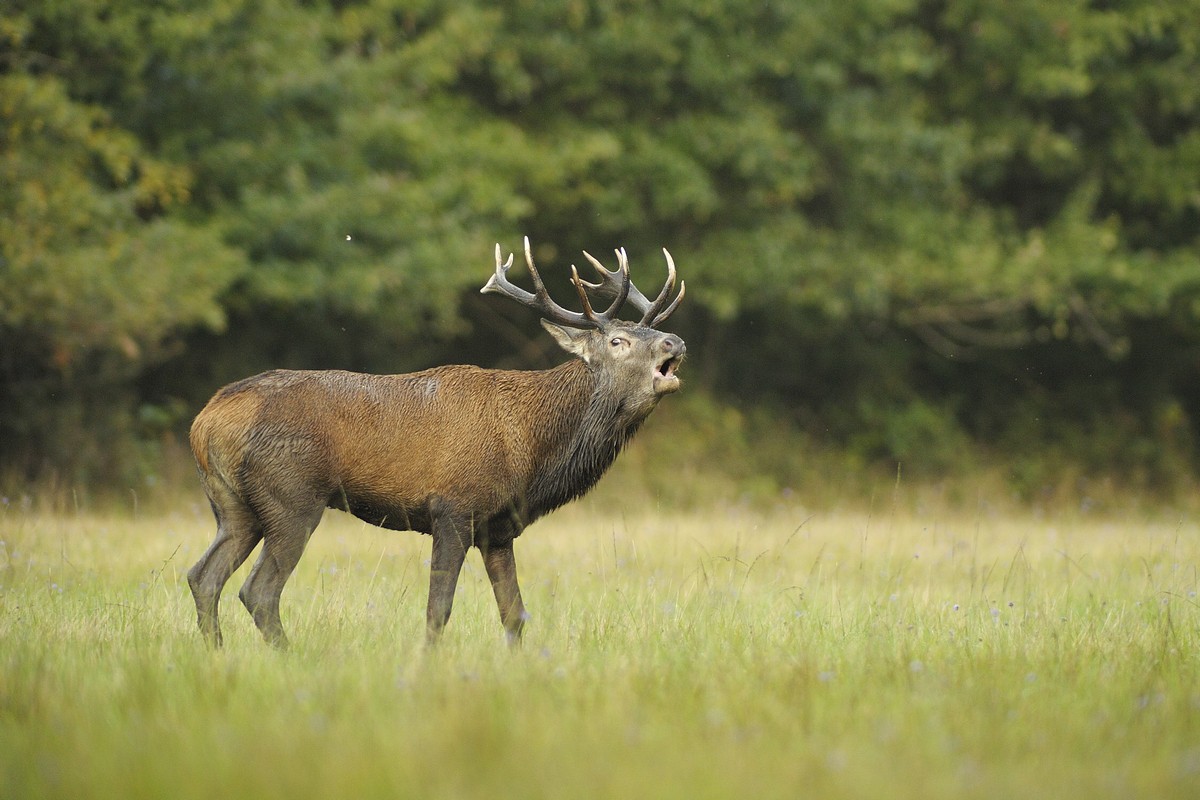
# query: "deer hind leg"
[284,539]
[238,531]
[452,536]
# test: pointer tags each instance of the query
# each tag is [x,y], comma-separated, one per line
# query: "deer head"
[630,359]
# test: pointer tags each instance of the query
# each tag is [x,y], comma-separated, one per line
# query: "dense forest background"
[942,236]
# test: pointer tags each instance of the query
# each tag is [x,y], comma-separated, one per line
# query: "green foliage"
[889,212]
[95,276]
[82,264]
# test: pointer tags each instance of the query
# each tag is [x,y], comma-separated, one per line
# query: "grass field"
[730,653]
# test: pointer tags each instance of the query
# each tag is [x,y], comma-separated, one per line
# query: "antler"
[617,282]
[539,299]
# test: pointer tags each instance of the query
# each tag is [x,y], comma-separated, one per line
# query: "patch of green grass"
[718,654]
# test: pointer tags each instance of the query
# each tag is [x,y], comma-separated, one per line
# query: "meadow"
[722,652]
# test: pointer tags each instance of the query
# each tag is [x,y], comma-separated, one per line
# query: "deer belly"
[386,514]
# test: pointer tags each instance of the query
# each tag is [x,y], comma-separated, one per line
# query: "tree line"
[914,230]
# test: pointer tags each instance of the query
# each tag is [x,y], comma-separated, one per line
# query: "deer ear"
[572,340]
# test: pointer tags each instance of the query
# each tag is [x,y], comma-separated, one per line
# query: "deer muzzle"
[671,353]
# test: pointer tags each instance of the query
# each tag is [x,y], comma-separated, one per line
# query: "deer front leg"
[501,569]
[451,538]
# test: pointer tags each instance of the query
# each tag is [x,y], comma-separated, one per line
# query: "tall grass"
[725,654]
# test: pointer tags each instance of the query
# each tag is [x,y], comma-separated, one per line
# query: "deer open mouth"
[665,379]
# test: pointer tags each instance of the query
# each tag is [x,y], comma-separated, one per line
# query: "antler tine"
[498,280]
[539,288]
[655,314]
[661,318]
[506,265]
[539,299]
[615,281]
[583,298]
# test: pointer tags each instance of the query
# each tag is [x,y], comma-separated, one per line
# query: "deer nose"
[673,345]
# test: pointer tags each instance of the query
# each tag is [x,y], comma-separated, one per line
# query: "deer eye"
[616,341]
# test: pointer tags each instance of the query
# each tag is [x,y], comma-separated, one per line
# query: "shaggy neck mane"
[586,429]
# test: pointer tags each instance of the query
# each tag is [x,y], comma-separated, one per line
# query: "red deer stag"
[468,455]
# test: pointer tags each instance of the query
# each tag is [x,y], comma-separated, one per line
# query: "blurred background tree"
[950,235]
